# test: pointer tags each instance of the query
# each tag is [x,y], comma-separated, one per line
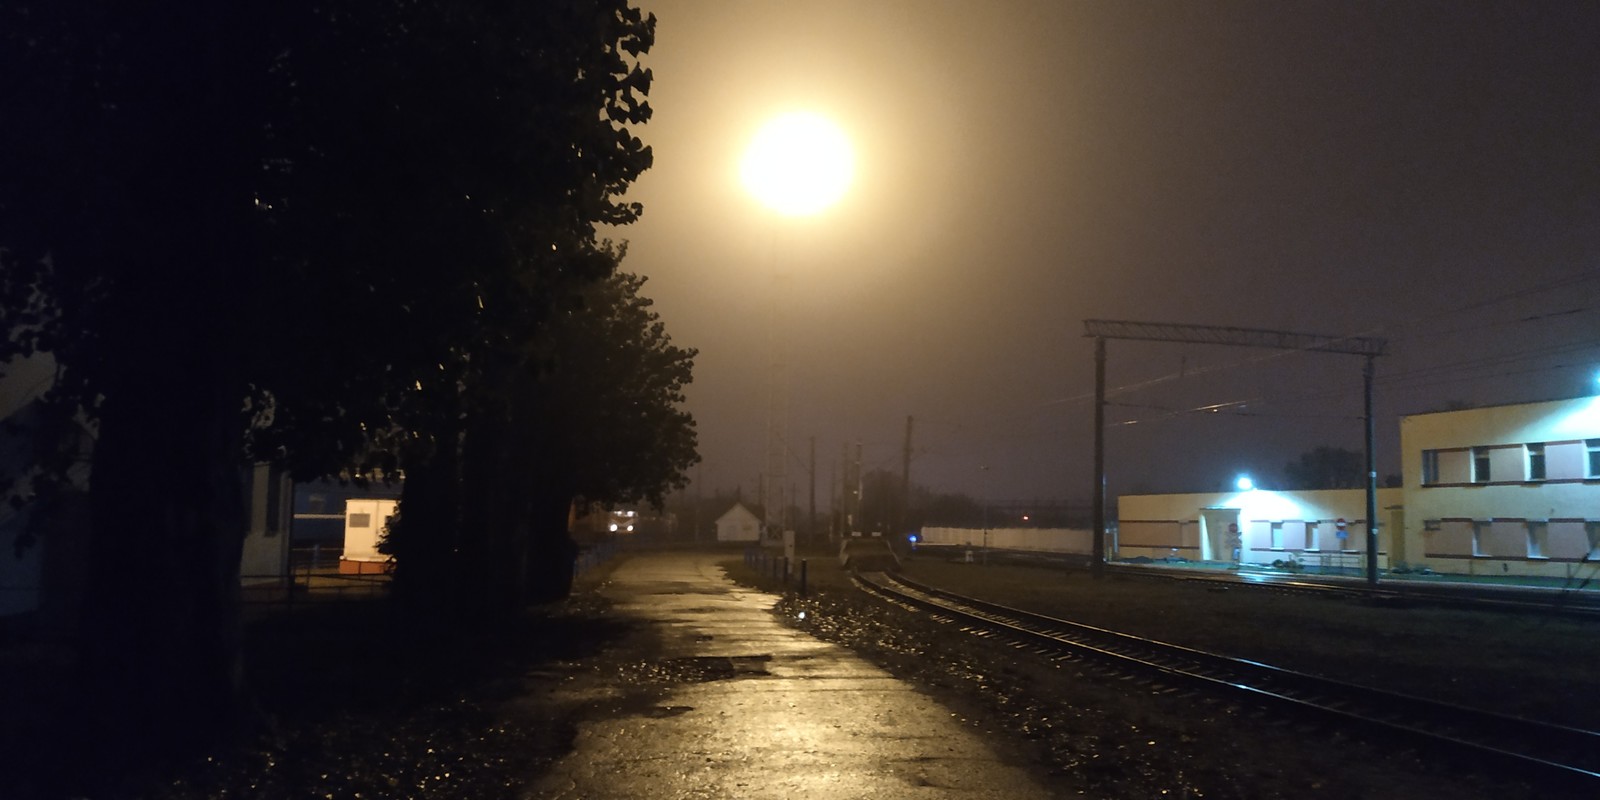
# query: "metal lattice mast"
[772,501]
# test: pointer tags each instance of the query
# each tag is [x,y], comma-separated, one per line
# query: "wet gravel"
[362,709]
[356,704]
[1097,732]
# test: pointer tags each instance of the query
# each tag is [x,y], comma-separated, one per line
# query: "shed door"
[1221,537]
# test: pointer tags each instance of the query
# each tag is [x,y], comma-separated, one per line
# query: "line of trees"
[344,238]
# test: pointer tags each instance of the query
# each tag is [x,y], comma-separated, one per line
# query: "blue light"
[913,537]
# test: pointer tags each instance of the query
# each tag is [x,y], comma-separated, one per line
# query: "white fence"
[1043,540]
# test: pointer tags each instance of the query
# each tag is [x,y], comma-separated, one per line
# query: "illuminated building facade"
[1510,490]
[1324,530]
[1505,490]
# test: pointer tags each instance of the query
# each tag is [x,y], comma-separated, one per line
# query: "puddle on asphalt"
[662,712]
[704,669]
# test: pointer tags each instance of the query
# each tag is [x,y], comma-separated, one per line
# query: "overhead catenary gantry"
[1101,330]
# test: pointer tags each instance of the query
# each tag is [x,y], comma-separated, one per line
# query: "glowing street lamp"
[799,164]
[1244,484]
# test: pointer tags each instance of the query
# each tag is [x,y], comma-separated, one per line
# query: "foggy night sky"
[1424,172]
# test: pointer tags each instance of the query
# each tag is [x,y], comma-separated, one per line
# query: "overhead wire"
[1393,379]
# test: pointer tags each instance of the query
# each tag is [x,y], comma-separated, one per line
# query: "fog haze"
[1423,172]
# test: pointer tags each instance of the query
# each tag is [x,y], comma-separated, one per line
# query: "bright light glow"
[802,615]
[1244,484]
[613,527]
[1267,504]
[798,164]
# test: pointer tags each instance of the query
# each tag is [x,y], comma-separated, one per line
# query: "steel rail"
[1558,753]
[1578,604]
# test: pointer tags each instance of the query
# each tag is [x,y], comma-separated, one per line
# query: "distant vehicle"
[621,522]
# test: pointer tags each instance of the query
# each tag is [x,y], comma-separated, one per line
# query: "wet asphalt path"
[772,713]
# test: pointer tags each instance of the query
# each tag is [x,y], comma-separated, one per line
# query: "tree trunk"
[161,619]
[551,550]
[424,543]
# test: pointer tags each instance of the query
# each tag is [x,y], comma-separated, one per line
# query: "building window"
[1311,536]
[1594,458]
[1480,465]
[1430,467]
[1277,535]
[1479,528]
[360,520]
[1591,529]
[1535,462]
[1538,538]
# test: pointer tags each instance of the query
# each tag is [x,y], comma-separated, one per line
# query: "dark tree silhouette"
[302,232]
[1326,468]
[599,420]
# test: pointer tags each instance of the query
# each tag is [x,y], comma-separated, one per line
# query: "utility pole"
[858,480]
[1372,481]
[846,506]
[905,481]
[833,502]
[811,513]
[1097,561]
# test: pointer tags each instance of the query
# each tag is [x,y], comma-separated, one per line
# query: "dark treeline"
[353,238]
[884,501]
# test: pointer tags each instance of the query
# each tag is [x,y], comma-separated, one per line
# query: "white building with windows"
[1323,529]
[1504,490]
[1510,490]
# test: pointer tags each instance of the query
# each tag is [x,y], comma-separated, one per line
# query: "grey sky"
[1422,171]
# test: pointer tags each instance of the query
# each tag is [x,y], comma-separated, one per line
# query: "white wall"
[1044,540]
[266,542]
[361,541]
[1457,525]
[1163,525]
[739,524]
[19,578]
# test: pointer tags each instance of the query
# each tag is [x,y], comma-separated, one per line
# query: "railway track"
[1531,750]
[1577,603]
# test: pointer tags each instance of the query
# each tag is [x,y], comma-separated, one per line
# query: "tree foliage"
[328,235]
[1326,468]
[614,379]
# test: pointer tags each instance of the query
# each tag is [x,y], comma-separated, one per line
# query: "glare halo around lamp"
[799,164]
[1244,484]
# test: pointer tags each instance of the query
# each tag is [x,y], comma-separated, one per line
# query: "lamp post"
[984,471]
[798,165]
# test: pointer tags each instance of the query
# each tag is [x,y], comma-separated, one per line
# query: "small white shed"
[738,524]
[364,521]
